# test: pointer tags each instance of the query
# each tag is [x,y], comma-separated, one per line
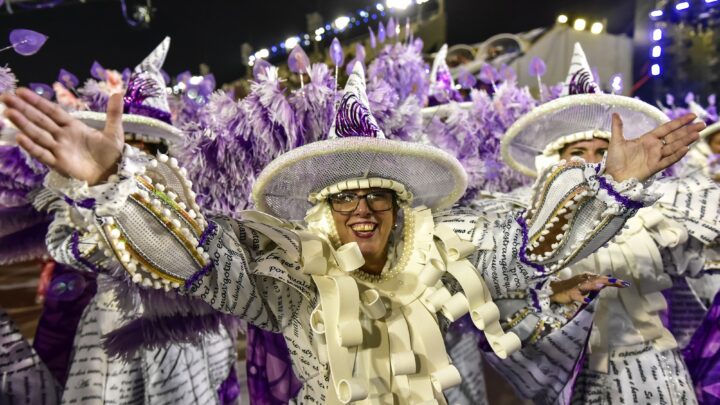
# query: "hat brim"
[710,130]
[436,179]
[567,115]
[132,123]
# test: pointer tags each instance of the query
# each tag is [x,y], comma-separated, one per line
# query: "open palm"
[651,153]
[63,143]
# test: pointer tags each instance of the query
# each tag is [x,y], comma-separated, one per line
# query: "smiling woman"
[366,217]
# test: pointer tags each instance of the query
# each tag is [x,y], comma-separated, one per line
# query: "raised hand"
[63,143]
[651,153]
[577,288]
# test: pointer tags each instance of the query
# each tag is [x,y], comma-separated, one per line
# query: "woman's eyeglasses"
[347,202]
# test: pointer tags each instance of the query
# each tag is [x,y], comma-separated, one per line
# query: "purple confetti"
[43,90]
[27,42]
[298,61]
[359,52]
[381,33]
[537,67]
[68,79]
[97,71]
[488,74]
[670,100]
[260,68]
[418,44]
[350,65]
[336,53]
[507,73]
[465,79]
[391,28]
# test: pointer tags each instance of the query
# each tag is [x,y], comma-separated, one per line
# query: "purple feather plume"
[403,68]
[314,105]
[146,333]
[19,175]
[218,140]
[94,96]
[398,117]
[474,136]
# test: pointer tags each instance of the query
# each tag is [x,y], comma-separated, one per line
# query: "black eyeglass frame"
[363,197]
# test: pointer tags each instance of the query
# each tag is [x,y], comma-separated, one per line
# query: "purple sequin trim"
[147,111]
[87,203]
[212,226]
[523,259]
[140,89]
[534,295]
[198,275]
[582,83]
[206,233]
[353,119]
[628,203]
[76,253]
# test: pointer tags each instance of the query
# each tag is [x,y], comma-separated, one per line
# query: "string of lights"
[581,24]
[668,12]
[341,24]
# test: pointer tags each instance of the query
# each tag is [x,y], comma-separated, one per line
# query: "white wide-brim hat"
[581,110]
[134,124]
[357,149]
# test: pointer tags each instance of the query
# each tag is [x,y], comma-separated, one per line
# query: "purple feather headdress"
[403,68]
[314,104]
[271,121]
[19,175]
[398,117]
[94,96]
[474,136]
[218,155]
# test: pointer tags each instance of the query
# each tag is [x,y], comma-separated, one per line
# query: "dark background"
[212,31]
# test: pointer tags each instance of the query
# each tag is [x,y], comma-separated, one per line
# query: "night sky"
[211,31]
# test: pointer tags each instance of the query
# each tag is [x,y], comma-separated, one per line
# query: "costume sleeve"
[145,225]
[574,210]
[692,203]
[24,378]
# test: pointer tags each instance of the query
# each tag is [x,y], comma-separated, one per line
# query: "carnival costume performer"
[24,377]
[133,346]
[363,318]
[628,342]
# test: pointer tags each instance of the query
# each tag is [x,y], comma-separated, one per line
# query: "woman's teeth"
[364,227]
